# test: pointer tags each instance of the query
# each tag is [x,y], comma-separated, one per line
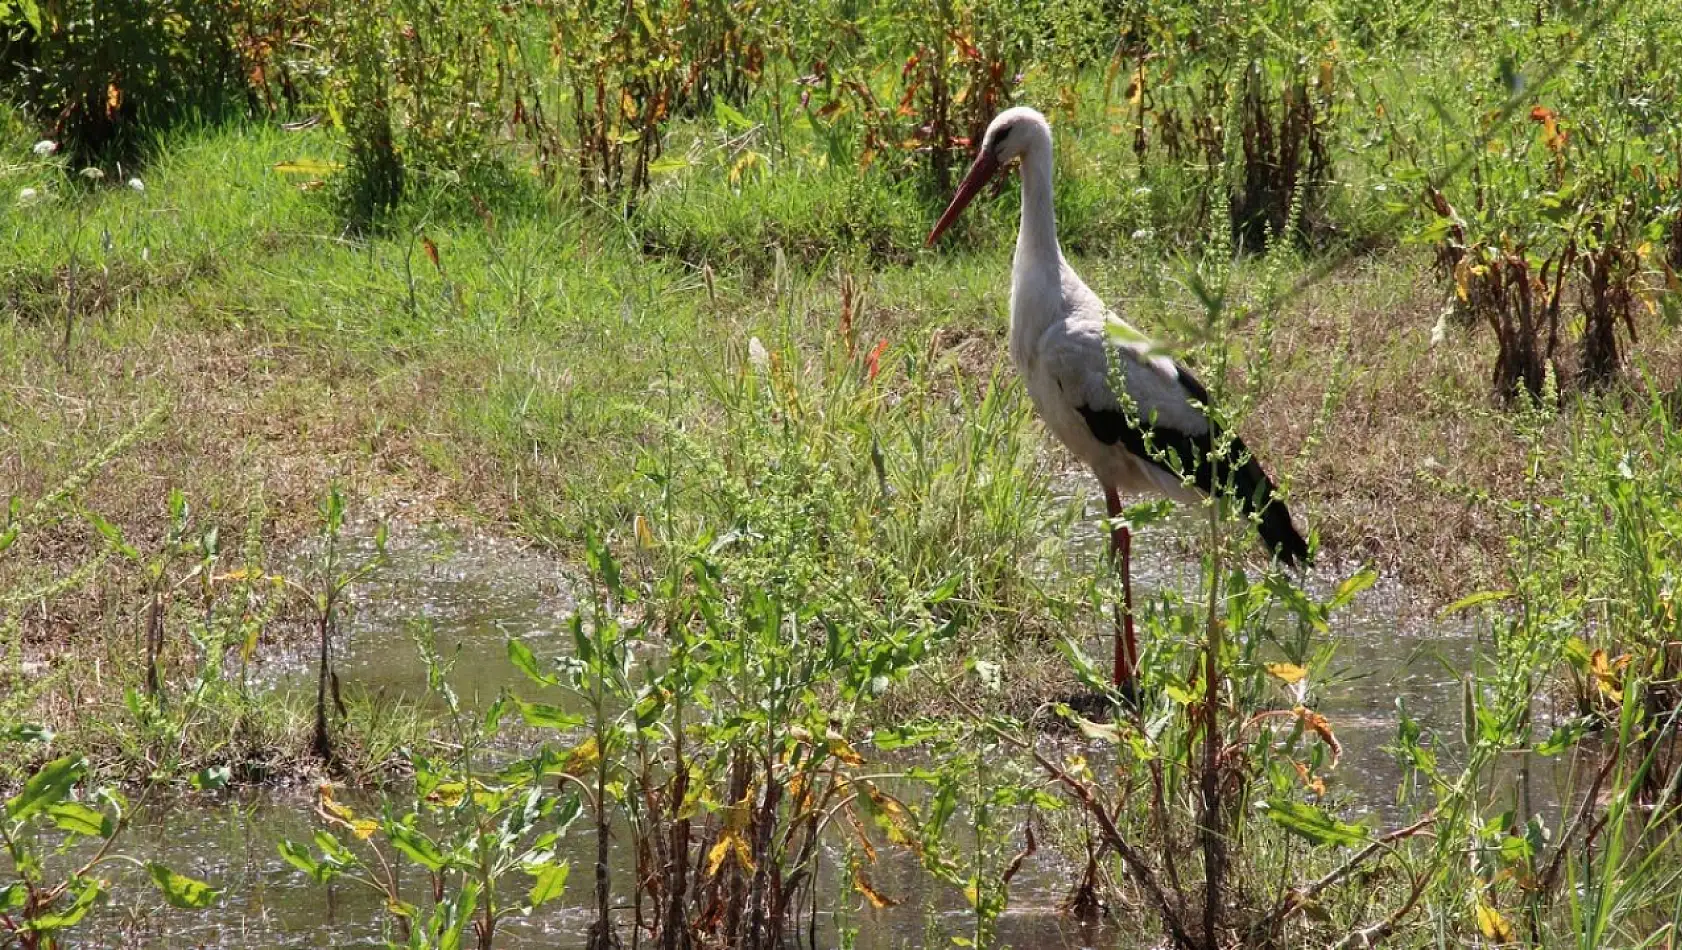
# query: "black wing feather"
[1176,452]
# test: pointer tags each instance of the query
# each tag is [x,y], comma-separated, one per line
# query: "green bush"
[99,73]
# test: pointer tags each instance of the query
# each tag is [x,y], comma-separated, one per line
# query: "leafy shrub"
[99,73]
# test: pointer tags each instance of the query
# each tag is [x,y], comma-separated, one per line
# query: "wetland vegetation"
[510,475]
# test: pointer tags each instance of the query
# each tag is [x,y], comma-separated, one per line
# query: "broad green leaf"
[32,13]
[545,716]
[13,897]
[47,786]
[78,818]
[417,846]
[1562,738]
[667,165]
[298,856]
[1312,823]
[214,777]
[526,662]
[182,891]
[551,882]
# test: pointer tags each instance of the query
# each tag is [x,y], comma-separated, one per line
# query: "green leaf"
[1466,603]
[32,13]
[551,882]
[114,535]
[26,732]
[308,166]
[298,856]
[88,892]
[1563,738]
[417,846]
[526,662]
[1351,586]
[47,786]
[729,118]
[13,897]
[667,165]
[182,891]
[545,716]
[1312,823]
[214,777]
[78,818]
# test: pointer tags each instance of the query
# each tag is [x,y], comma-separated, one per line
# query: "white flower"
[45,147]
[1143,234]
[27,195]
[757,355]
[137,184]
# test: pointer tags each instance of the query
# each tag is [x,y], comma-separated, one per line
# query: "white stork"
[1064,342]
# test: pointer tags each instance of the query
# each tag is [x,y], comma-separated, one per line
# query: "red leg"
[1126,647]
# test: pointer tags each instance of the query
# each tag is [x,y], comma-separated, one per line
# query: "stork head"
[1013,133]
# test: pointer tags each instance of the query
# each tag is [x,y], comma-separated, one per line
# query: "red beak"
[980,173]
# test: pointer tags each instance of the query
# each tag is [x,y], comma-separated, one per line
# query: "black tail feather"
[1183,454]
[1256,492]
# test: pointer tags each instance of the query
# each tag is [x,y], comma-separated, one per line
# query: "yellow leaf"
[1606,675]
[730,841]
[839,748]
[1288,673]
[364,828]
[743,164]
[583,755]
[1136,88]
[1493,925]
[715,857]
[645,535]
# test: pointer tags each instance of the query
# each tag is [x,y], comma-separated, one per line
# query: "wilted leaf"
[1321,727]
[1606,674]
[876,898]
[1494,926]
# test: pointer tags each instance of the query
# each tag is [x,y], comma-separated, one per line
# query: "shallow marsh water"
[473,593]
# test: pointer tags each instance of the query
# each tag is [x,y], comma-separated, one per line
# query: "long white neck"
[1036,291]
[1038,258]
